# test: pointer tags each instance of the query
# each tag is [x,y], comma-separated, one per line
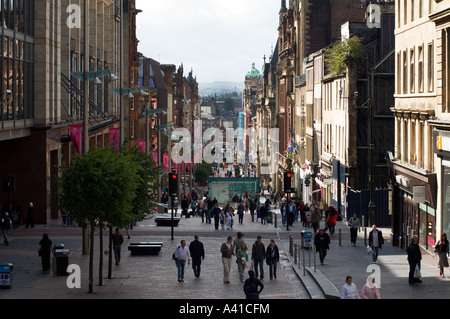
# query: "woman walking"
[442,248]
[272,258]
[45,252]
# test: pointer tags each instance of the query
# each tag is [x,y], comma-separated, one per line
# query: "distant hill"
[211,88]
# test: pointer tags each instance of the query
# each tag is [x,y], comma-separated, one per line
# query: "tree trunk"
[91,259]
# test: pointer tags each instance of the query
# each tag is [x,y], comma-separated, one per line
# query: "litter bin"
[306,239]
[61,260]
[6,276]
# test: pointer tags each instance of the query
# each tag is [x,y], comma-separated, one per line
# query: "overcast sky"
[218,39]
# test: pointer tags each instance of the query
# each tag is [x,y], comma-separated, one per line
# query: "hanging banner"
[142,145]
[114,137]
[76,132]
[155,157]
[166,162]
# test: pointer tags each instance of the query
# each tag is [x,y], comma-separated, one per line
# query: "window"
[399,73]
[405,73]
[430,67]
[412,73]
[445,71]
[405,11]
[420,68]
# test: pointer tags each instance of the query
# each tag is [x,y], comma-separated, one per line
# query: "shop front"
[414,206]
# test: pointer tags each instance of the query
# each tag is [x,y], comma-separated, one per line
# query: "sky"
[218,39]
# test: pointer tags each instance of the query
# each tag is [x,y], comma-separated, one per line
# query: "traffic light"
[173,184]
[9,184]
[287,182]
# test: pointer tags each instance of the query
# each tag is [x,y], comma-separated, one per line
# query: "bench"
[167,221]
[145,248]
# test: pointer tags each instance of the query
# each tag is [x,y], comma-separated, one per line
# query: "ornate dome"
[253,73]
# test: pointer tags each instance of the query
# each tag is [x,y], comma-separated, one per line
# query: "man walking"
[117,241]
[376,242]
[258,256]
[227,252]
[6,226]
[322,243]
[197,253]
[181,255]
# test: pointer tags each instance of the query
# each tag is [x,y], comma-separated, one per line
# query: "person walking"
[376,242]
[264,213]
[442,248]
[370,290]
[216,214]
[354,225]
[182,254]
[316,216]
[197,251]
[322,243]
[241,260]
[227,252]
[414,258]
[30,216]
[210,207]
[240,212]
[349,289]
[117,241]
[175,206]
[272,258]
[252,286]
[252,207]
[6,227]
[45,252]
[258,256]
[331,220]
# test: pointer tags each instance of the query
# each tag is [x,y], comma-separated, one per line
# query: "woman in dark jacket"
[45,253]
[414,257]
[272,258]
[442,248]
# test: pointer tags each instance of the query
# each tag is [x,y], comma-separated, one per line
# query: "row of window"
[415,69]
[410,10]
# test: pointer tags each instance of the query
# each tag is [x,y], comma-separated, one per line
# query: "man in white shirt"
[182,254]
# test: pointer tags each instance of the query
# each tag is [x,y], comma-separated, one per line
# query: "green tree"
[97,188]
[343,55]
[202,173]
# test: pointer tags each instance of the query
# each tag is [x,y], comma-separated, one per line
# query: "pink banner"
[166,162]
[155,157]
[114,137]
[142,145]
[76,132]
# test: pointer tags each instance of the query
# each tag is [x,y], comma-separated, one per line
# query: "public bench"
[167,221]
[145,248]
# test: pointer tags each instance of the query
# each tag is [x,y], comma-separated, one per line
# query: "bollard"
[295,253]
[365,236]
[309,257]
[290,244]
[304,266]
[315,258]
[340,236]
[275,221]
[299,261]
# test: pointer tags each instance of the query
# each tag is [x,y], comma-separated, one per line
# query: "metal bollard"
[276,220]
[340,236]
[365,236]
[315,258]
[304,266]
[309,257]
[299,253]
[290,244]
[295,253]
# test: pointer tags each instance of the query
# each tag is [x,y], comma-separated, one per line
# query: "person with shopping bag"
[414,258]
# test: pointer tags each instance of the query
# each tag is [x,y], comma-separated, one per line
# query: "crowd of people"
[248,257]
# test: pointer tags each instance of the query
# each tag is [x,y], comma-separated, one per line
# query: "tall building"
[43,96]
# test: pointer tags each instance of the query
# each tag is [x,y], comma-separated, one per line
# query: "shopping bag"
[417,273]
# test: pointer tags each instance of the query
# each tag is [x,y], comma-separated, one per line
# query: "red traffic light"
[174,176]
[288,175]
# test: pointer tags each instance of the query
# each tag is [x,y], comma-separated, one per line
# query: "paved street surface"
[155,277]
